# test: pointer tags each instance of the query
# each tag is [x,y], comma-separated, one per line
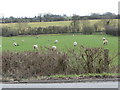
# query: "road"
[108,84]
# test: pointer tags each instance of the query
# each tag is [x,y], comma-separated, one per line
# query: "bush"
[87,30]
[111,30]
[6,31]
[27,64]
[21,65]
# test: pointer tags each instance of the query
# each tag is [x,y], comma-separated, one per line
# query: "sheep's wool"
[35,46]
[15,43]
[75,43]
[54,47]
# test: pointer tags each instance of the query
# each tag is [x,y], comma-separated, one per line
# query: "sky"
[31,8]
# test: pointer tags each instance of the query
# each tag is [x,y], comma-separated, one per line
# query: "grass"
[73,76]
[85,75]
[65,42]
[39,24]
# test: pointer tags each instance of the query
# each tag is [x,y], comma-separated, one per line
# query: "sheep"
[13,39]
[15,44]
[37,37]
[105,42]
[103,38]
[56,41]
[49,40]
[54,47]
[35,46]
[75,43]
[0,45]
[73,35]
[22,40]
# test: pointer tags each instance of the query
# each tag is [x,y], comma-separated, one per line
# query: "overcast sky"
[30,8]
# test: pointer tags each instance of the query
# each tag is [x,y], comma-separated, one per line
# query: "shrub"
[111,30]
[21,65]
[87,29]
[27,64]
[7,31]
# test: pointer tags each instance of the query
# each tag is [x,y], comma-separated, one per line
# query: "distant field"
[40,24]
[60,23]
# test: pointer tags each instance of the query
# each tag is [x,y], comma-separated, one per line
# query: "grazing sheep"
[103,38]
[22,40]
[54,47]
[49,40]
[15,44]
[35,46]
[73,35]
[56,41]
[75,43]
[37,37]
[101,33]
[13,39]
[105,42]
[0,45]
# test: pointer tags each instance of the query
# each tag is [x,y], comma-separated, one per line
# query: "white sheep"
[54,47]
[13,39]
[15,44]
[35,46]
[103,38]
[75,43]
[0,45]
[56,41]
[22,40]
[105,42]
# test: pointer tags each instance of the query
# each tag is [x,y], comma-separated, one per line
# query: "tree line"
[110,27]
[74,27]
[53,17]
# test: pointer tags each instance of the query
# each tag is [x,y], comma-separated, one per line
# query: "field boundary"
[64,81]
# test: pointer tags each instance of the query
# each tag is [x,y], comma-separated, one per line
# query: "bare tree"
[40,17]
[75,23]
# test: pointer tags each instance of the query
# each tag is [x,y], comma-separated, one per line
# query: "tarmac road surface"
[108,84]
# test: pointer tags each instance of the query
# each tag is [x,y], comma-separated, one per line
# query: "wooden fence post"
[106,60]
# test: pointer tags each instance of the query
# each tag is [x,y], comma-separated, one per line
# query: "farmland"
[65,41]
[59,23]
[39,24]
[50,59]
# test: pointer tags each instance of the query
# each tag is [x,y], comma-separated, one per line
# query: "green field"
[65,41]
